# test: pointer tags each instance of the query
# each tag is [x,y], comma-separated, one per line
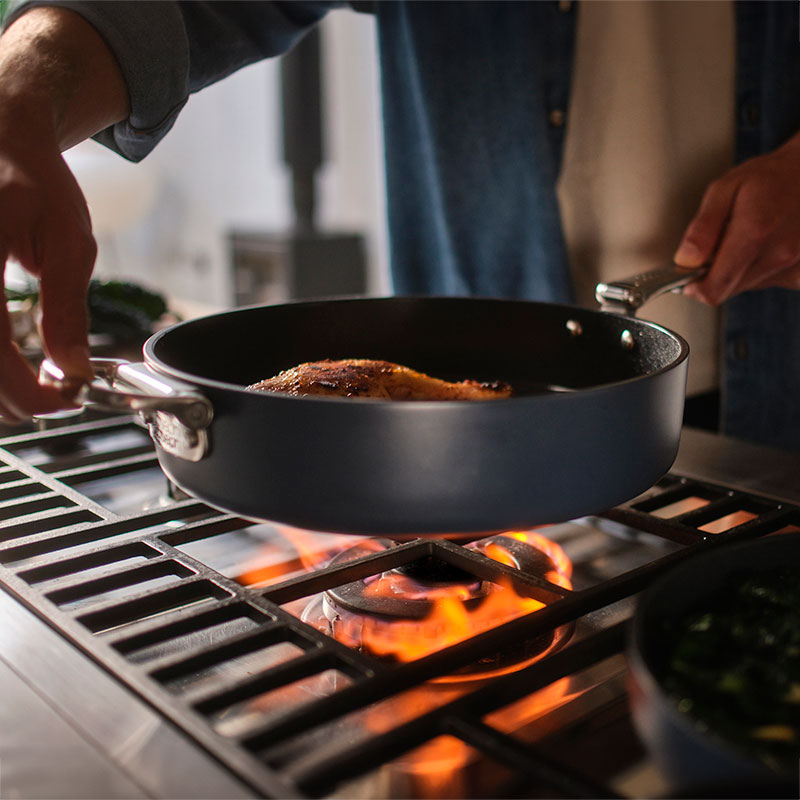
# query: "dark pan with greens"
[715,667]
[735,665]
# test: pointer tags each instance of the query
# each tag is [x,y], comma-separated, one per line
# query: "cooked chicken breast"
[362,377]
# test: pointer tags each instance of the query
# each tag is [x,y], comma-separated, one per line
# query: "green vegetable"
[125,295]
[123,323]
[120,309]
[22,294]
[734,665]
[123,310]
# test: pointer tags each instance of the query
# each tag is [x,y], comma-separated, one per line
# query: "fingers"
[737,252]
[704,232]
[46,228]
[66,266]
[747,228]
[21,395]
[28,397]
[64,254]
[757,250]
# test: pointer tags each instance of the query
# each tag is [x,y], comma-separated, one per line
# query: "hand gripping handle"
[176,415]
[627,296]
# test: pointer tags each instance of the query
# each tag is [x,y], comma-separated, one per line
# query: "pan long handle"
[176,415]
[628,295]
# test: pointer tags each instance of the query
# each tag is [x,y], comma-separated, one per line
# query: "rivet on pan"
[626,339]
[574,327]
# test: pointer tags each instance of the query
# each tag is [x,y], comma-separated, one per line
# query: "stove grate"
[124,589]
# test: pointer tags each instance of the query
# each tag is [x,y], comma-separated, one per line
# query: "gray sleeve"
[167,50]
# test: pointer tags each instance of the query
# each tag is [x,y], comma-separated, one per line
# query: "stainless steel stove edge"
[739,465]
[88,736]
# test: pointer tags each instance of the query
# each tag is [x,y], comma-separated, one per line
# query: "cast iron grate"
[119,586]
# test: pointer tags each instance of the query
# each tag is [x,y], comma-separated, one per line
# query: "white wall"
[164,221]
[352,189]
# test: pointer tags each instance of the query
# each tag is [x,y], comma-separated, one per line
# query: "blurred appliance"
[304,261]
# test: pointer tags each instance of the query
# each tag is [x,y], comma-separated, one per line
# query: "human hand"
[59,84]
[45,226]
[747,228]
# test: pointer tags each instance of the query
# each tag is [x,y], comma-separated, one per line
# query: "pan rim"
[156,363]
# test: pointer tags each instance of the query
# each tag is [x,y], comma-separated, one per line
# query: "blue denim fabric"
[761,359]
[471,156]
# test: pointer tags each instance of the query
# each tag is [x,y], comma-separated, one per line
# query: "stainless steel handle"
[176,415]
[627,296]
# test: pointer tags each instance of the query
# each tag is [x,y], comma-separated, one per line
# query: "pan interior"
[533,346]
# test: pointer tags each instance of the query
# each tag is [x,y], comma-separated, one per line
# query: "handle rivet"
[574,327]
[626,340]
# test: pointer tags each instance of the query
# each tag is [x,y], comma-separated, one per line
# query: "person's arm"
[167,50]
[748,228]
[119,71]
[59,84]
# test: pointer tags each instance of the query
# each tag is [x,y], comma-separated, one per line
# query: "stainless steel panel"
[68,729]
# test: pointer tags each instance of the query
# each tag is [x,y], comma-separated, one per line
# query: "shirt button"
[557,118]
[564,6]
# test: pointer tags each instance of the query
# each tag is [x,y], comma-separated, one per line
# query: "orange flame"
[450,620]
[302,551]
[562,574]
[456,614]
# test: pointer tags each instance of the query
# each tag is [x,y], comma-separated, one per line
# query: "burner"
[207,619]
[434,570]
[426,605]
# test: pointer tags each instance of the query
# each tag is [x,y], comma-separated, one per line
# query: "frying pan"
[595,419]
[696,761]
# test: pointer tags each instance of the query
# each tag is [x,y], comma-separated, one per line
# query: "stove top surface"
[155,647]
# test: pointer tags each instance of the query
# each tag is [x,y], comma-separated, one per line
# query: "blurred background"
[210,218]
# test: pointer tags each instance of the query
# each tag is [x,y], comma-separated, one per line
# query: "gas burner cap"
[407,613]
[408,592]
[434,571]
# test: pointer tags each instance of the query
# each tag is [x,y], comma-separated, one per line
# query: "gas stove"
[153,646]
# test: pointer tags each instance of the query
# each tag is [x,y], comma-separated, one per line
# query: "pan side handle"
[176,415]
[628,295]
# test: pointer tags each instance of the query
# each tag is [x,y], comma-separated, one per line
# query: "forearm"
[58,78]
[167,50]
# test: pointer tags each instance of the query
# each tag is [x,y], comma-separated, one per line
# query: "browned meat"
[361,377]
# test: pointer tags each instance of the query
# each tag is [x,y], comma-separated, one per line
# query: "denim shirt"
[472,157]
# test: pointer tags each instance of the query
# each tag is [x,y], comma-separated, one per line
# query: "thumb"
[704,232]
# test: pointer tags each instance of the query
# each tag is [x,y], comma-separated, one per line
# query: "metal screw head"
[626,340]
[574,327]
